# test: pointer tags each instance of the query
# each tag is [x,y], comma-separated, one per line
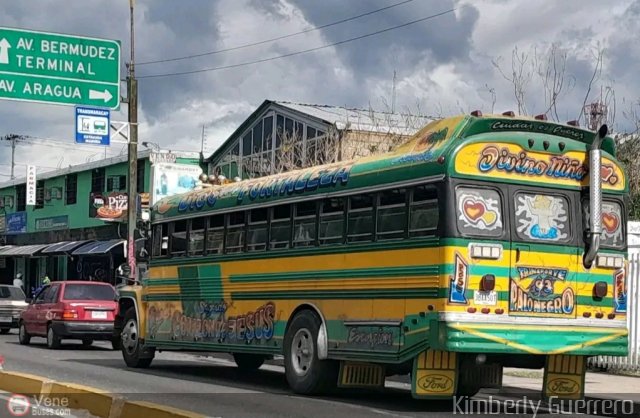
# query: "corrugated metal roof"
[361,119]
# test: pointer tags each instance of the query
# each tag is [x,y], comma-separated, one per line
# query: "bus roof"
[518,143]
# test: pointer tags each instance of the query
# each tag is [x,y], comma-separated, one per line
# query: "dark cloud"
[444,38]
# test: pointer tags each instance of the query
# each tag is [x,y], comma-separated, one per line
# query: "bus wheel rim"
[130,336]
[302,351]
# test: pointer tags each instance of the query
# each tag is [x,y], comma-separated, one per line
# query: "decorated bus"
[483,242]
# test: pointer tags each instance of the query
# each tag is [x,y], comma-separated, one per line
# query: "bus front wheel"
[305,372]
[132,349]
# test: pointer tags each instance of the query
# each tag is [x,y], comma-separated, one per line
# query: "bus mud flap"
[564,377]
[435,375]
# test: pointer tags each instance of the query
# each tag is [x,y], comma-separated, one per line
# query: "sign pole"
[133,157]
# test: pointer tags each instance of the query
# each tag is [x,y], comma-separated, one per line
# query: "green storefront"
[73,227]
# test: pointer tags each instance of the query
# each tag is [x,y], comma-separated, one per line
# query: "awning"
[23,250]
[5,248]
[99,247]
[64,247]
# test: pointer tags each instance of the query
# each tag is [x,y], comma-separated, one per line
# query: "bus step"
[361,375]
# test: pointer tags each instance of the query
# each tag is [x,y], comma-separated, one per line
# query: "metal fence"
[632,361]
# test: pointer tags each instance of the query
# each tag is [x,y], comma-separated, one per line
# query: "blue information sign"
[92,125]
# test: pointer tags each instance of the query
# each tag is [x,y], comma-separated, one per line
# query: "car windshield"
[88,292]
[11,293]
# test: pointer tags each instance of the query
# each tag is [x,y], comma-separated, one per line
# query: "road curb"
[98,402]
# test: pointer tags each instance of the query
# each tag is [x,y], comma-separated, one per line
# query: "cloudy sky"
[449,64]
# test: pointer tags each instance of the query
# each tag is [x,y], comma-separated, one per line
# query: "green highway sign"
[60,69]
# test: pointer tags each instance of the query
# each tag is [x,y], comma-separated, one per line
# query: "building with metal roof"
[280,136]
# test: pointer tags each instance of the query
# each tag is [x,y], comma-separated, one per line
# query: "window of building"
[257,138]
[116,183]
[246,144]
[279,130]
[280,232]
[423,211]
[360,218]
[331,230]
[392,214]
[97,180]
[196,236]
[178,241]
[304,224]
[235,232]
[21,197]
[39,194]
[215,235]
[267,133]
[141,170]
[257,232]
[71,189]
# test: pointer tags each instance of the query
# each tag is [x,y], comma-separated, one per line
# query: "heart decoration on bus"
[611,222]
[476,210]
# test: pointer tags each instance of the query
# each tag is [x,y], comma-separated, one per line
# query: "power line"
[225,67]
[278,38]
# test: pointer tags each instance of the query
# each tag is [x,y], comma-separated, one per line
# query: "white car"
[12,303]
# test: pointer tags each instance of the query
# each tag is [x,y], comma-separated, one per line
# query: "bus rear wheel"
[305,372]
[132,349]
[248,362]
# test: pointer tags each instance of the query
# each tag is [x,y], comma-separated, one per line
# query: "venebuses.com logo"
[18,405]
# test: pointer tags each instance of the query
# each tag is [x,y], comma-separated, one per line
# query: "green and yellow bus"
[481,243]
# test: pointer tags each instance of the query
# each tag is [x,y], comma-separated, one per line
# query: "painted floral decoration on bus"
[479,211]
[541,217]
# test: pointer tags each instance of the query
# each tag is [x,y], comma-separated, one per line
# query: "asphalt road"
[214,387]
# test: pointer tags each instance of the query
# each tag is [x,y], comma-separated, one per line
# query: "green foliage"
[628,153]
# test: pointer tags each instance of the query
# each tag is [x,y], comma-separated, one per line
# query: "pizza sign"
[111,207]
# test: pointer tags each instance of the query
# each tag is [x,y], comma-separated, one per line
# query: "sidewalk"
[598,385]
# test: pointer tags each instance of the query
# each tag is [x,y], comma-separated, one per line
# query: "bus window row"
[394,214]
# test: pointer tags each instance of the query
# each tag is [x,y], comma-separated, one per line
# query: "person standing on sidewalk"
[18,281]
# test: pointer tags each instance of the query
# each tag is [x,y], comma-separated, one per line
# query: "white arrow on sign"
[4,51]
[100,95]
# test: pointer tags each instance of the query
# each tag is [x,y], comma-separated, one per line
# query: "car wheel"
[5,330]
[86,342]
[53,340]
[248,362]
[305,372]
[23,336]
[132,349]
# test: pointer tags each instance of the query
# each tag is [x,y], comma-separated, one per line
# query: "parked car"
[12,304]
[76,310]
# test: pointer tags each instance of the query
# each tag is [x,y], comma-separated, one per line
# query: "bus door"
[544,256]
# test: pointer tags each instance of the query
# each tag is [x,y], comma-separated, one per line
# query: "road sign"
[60,69]
[92,125]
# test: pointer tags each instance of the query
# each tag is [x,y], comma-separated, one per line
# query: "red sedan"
[71,310]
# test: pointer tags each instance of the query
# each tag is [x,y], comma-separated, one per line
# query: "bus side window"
[360,218]
[423,212]
[235,232]
[257,234]
[280,233]
[160,233]
[215,234]
[392,214]
[196,236]
[331,221]
[178,240]
[304,224]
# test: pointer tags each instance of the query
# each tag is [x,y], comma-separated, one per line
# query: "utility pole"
[14,140]
[132,87]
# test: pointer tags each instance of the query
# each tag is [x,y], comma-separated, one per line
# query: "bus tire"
[305,373]
[131,346]
[248,362]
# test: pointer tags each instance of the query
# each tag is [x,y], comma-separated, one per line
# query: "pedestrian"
[46,281]
[18,281]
